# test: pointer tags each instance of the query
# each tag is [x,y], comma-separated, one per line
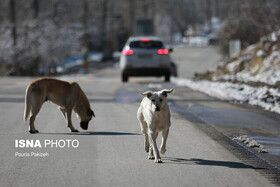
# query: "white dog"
[154,116]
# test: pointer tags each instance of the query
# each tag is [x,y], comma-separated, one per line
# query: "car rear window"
[146,45]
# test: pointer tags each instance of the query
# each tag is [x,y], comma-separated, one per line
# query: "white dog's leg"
[146,143]
[152,137]
[164,140]
[143,126]
[151,152]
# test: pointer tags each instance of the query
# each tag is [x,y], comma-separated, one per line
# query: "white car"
[145,56]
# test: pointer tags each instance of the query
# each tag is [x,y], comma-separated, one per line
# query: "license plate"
[145,55]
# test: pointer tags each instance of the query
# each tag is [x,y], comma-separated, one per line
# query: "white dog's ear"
[147,93]
[165,92]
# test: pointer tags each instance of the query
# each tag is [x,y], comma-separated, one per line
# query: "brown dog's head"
[84,125]
[84,119]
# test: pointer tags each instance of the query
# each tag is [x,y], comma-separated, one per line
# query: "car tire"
[167,78]
[124,78]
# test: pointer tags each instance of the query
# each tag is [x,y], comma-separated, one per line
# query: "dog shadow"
[96,133]
[197,161]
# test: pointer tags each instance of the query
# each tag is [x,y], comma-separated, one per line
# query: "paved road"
[111,152]
[192,60]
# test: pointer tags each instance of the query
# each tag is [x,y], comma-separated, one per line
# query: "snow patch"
[196,41]
[267,98]
[250,142]
[250,49]
[232,66]
[260,53]
[155,86]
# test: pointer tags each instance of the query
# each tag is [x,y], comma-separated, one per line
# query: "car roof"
[137,38]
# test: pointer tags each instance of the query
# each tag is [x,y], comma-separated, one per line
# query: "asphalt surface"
[111,151]
[193,60]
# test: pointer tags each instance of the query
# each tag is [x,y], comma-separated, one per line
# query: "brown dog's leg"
[69,121]
[63,111]
[35,110]
[151,153]
[32,129]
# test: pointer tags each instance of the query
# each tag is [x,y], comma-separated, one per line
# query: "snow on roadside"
[196,41]
[267,98]
[250,142]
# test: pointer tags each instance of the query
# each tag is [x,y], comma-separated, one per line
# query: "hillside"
[251,77]
[256,65]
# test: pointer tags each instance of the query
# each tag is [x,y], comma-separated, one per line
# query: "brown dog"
[66,95]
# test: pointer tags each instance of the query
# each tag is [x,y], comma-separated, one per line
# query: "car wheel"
[124,77]
[167,78]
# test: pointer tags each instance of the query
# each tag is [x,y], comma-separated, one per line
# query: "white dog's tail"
[27,103]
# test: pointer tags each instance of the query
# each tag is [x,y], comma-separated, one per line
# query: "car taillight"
[163,51]
[145,40]
[128,52]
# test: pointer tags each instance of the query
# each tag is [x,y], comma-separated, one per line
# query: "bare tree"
[13,21]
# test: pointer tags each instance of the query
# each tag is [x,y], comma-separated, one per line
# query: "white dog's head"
[158,99]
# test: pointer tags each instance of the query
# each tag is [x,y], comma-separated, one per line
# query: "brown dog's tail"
[27,103]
